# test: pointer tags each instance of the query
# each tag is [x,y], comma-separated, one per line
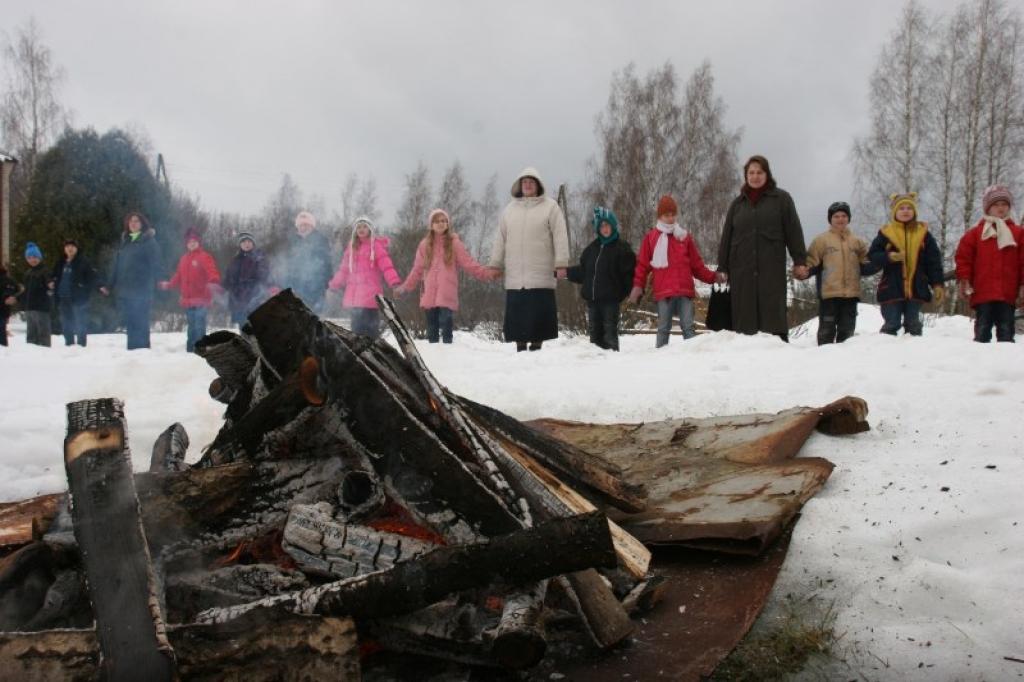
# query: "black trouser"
[604,324]
[994,313]
[366,321]
[439,324]
[837,319]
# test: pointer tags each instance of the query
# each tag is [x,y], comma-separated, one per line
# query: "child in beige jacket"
[839,259]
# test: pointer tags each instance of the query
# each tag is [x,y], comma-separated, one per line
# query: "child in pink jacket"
[364,262]
[438,258]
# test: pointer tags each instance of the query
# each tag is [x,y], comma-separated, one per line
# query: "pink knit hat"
[192,233]
[305,218]
[996,193]
[437,212]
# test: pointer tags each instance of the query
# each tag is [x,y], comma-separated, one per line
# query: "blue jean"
[439,323]
[366,321]
[906,314]
[998,314]
[74,321]
[135,318]
[196,317]
[680,306]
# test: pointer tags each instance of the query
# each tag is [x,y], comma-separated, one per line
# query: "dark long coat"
[752,252]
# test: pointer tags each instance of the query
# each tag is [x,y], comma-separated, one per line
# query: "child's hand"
[896,257]
[494,273]
[721,277]
[163,286]
[800,272]
[560,273]
[105,291]
[635,294]
[10,300]
[938,293]
[1020,297]
[965,287]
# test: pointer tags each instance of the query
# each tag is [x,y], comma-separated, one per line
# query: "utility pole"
[161,169]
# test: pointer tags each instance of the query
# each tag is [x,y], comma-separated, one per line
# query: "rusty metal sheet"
[725,483]
[709,601]
[17,519]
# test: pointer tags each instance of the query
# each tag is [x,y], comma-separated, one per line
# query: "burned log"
[108,528]
[296,392]
[546,496]
[323,546]
[277,647]
[431,479]
[517,558]
[169,449]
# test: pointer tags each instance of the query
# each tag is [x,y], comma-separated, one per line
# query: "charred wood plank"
[169,449]
[604,617]
[108,528]
[517,558]
[584,471]
[467,434]
[282,647]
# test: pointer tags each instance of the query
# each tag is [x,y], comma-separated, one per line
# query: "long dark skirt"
[530,315]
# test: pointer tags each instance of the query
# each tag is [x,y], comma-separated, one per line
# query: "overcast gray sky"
[237,93]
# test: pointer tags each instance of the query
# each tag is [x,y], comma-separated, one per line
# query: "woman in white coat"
[531,248]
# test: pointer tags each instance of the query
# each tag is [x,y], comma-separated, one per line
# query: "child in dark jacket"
[9,290]
[605,274]
[911,267]
[72,281]
[670,252]
[36,297]
[990,267]
[247,279]
[195,276]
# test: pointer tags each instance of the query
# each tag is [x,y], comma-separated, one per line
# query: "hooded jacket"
[307,266]
[995,274]
[440,279]
[532,240]
[605,272]
[195,273]
[137,266]
[684,263]
[362,266]
[921,269]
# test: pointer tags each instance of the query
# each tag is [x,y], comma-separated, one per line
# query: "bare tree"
[890,158]
[454,197]
[31,115]
[654,140]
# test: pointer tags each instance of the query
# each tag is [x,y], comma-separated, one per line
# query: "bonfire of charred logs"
[346,489]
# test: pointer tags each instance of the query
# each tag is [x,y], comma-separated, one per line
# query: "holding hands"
[721,277]
[801,272]
[163,286]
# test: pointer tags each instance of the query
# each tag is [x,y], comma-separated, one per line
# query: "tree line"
[947,119]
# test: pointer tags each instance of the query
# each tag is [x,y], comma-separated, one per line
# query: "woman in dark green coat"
[760,226]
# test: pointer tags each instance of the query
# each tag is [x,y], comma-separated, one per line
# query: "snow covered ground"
[917,537]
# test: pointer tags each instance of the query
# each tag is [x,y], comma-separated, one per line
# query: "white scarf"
[660,258]
[997,227]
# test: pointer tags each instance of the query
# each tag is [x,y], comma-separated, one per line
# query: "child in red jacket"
[670,252]
[196,277]
[990,267]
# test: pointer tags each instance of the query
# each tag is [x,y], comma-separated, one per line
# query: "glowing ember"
[394,518]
